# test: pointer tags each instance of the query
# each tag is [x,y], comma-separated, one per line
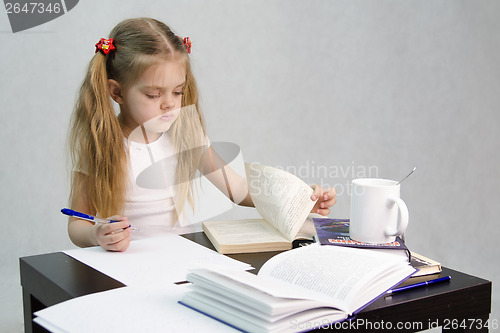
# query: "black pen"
[420,284]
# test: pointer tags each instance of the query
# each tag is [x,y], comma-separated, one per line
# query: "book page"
[281,198]
[307,231]
[267,295]
[243,231]
[338,275]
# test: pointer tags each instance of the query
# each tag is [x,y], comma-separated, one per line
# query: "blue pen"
[420,284]
[91,218]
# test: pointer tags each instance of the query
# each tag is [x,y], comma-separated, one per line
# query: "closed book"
[336,232]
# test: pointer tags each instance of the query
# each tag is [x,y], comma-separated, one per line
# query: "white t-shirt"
[149,204]
[150,209]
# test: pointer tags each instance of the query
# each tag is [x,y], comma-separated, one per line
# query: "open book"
[301,289]
[282,200]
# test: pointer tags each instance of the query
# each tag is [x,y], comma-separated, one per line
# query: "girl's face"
[155,99]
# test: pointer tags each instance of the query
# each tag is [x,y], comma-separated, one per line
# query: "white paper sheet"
[128,309]
[158,260]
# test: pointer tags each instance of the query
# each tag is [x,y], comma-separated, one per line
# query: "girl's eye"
[152,96]
[178,93]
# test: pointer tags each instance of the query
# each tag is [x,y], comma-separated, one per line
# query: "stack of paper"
[153,260]
[128,309]
[149,268]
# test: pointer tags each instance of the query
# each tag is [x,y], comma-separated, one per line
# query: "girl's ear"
[115,91]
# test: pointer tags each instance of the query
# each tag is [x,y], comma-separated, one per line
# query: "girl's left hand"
[326,199]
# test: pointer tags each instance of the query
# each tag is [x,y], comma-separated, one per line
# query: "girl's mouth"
[167,116]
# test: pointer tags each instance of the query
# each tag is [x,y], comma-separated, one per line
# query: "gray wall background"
[329,90]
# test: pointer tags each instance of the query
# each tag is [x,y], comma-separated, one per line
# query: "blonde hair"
[97,138]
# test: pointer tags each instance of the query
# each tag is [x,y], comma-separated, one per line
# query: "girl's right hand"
[114,236]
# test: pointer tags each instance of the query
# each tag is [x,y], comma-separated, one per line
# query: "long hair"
[97,138]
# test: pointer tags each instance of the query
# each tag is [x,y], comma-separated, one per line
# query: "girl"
[144,67]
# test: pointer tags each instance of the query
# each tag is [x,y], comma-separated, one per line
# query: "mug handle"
[403,221]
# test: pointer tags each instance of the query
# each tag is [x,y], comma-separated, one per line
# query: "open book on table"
[297,290]
[282,200]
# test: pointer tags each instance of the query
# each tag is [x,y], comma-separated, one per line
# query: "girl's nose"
[167,103]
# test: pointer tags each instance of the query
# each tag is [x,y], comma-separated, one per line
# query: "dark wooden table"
[461,305]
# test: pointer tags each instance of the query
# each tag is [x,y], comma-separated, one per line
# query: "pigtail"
[188,135]
[97,144]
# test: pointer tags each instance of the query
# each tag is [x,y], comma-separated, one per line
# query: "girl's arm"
[235,187]
[111,236]
[225,179]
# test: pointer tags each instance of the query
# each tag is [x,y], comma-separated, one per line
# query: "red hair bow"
[104,45]
[187,44]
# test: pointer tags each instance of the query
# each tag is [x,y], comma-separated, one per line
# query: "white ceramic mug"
[375,207]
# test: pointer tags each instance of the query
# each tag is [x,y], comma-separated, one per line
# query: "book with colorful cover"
[336,232]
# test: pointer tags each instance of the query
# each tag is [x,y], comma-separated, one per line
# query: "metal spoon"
[406,176]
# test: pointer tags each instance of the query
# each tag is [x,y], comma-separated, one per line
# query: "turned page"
[281,198]
[344,277]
